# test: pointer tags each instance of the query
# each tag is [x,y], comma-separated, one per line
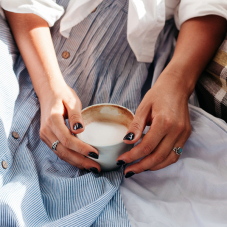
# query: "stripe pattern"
[212,85]
[37,188]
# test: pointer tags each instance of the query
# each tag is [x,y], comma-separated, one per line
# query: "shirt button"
[4,165]
[15,135]
[65,54]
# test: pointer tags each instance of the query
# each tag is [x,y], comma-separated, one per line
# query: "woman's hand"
[165,106]
[56,105]
[165,109]
[58,101]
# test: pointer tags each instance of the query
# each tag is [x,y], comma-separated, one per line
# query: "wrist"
[181,77]
[50,87]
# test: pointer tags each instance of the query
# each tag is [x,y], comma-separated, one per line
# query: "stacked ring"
[54,145]
[178,150]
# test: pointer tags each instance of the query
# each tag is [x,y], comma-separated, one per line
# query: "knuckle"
[139,169]
[74,117]
[49,121]
[62,155]
[168,122]
[180,127]
[130,158]
[80,150]
[135,126]
[175,159]
[65,141]
[82,161]
[43,133]
[159,159]
[147,149]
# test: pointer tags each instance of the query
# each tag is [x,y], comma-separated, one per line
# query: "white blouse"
[145,18]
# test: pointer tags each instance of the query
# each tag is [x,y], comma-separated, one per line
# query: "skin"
[164,107]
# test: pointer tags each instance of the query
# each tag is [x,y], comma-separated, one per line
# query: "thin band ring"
[178,150]
[54,145]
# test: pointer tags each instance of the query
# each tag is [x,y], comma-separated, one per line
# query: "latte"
[99,133]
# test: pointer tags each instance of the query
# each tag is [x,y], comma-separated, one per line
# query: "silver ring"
[178,150]
[54,145]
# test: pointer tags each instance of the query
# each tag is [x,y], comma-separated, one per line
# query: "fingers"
[150,141]
[162,156]
[57,127]
[71,156]
[137,126]
[73,107]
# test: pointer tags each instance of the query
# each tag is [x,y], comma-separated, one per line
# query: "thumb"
[75,119]
[136,128]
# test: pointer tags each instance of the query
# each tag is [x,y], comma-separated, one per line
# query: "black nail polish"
[129,136]
[94,170]
[87,170]
[120,163]
[77,126]
[93,155]
[129,174]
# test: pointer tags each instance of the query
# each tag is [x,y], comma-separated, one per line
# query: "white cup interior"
[106,113]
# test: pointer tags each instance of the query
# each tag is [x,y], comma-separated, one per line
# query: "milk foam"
[103,133]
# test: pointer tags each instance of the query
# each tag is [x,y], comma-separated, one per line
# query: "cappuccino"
[100,133]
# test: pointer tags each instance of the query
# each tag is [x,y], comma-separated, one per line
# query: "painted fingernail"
[87,170]
[120,163]
[129,174]
[129,136]
[93,155]
[77,126]
[94,170]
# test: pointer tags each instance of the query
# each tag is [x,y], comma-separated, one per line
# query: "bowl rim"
[104,104]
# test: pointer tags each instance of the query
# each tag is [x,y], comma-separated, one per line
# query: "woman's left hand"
[165,109]
[165,106]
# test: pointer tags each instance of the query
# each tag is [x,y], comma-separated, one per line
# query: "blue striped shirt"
[37,188]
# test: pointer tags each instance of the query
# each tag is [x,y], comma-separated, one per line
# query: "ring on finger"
[54,145]
[178,150]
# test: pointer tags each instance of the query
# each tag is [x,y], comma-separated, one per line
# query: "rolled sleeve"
[188,9]
[49,10]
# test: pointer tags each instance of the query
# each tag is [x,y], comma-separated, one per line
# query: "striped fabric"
[37,188]
[212,85]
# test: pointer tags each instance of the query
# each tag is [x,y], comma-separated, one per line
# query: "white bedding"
[189,193]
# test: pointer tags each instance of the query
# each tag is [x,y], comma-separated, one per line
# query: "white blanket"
[189,193]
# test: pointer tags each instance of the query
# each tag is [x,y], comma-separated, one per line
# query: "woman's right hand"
[57,104]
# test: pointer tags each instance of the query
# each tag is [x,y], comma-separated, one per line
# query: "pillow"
[211,88]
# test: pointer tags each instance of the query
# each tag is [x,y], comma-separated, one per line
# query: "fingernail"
[146,170]
[87,170]
[77,126]
[93,155]
[129,174]
[120,163]
[94,170]
[129,136]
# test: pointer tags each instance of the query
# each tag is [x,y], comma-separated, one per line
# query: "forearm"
[32,35]
[198,40]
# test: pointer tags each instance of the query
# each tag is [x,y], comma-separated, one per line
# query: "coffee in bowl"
[105,127]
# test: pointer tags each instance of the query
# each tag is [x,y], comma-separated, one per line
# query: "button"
[94,10]
[15,135]
[4,165]
[65,54]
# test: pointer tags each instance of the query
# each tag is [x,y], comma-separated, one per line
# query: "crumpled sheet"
[191,192]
